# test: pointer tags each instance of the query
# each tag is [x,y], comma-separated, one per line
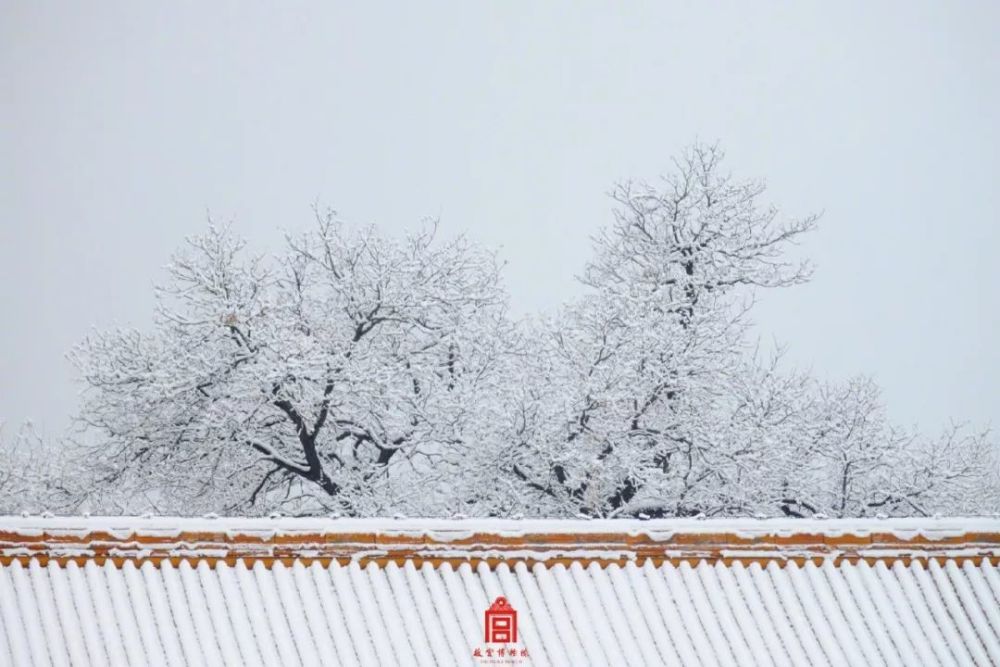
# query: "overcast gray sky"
[122,123]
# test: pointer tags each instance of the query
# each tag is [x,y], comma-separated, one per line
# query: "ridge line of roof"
[492,541]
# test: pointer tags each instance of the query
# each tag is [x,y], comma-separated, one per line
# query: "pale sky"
[123,123]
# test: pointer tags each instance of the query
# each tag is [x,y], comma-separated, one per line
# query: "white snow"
[450,530]
[293,612]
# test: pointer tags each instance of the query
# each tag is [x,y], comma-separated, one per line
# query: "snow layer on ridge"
[445,530]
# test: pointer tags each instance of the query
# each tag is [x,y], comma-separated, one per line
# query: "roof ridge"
[473,541]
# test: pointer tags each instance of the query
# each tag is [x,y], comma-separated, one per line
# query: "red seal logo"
[501,623]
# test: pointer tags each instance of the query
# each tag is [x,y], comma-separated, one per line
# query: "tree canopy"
[361,375]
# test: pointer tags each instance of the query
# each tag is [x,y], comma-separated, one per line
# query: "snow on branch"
[363,375]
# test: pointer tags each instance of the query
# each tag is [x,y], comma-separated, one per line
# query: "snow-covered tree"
[358,374]
[302,380]
[641,368]
[36,475]
[643,398]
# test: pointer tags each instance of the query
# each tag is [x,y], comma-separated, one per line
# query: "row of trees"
[362,375]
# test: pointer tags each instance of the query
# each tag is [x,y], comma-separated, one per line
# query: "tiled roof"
[288,592]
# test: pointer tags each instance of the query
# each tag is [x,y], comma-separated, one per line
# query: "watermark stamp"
[500,635]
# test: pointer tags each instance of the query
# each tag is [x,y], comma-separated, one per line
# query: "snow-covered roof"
[381,592]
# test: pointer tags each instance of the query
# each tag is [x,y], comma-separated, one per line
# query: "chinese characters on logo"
[512,651]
